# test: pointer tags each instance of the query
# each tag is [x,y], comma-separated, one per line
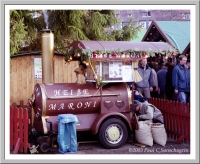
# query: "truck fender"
[101,117]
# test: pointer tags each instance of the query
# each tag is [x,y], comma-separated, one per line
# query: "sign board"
[113,71]
[37,68]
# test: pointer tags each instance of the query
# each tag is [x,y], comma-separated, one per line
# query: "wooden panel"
[56,65]
[11,128]
[60,69]
[17,145]
[22,80]
[69,72]
[24,75]
[30,76]
[26,121]
[65,74]
[15,125]
[13,78]
[73,66]
[21,129]
[19,78]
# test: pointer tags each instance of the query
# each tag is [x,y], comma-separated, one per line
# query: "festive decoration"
[114,54]
[100,82]
[86,54]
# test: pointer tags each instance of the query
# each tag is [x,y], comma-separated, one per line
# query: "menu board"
[37,68]
[127,72]
[120,70]
[115,69]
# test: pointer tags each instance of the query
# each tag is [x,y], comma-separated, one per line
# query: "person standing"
[161,74]
[181,79]
[154,93]
[188,63]
[188,66]
[145,86]
[169,86]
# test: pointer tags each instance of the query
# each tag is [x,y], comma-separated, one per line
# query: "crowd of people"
[170,82]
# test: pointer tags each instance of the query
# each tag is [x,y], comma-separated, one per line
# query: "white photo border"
[5,89]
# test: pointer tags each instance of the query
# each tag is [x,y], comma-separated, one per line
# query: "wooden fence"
[176,118]
[19,122]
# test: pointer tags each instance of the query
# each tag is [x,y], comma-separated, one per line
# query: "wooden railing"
[19,129]
[176,118]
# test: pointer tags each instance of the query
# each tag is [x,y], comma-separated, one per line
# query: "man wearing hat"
[147,111]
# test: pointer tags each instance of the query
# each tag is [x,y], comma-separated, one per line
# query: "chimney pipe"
[47,56]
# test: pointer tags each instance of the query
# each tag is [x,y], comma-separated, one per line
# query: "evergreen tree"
[68,25]
[23,27]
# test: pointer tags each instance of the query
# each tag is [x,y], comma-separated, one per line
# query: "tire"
[44,147]
[113,133]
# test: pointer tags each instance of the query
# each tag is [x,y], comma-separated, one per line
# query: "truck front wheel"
[113,133]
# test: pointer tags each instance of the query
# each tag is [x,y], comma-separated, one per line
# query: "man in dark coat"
[181,79]
[161,75]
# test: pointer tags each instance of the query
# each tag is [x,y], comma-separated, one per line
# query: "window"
[149,23]
[164,13]
[124,24]
[129,15]
[117,15]
[118,26]
[186,16]
[117,12]
[146,14]
[129,12]
[143,24]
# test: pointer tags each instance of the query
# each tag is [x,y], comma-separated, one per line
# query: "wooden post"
[17,145]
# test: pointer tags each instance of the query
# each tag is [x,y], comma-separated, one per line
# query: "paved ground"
[94,147]
[170,148]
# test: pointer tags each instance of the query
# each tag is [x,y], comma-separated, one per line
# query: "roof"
[140,35]
[33,53]
[122,45]
[176,32]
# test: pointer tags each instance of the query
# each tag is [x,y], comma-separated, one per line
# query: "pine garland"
[86,54]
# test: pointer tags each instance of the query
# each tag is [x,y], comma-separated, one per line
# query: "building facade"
[145,17]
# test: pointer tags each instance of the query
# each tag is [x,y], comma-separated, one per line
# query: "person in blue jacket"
[181,79]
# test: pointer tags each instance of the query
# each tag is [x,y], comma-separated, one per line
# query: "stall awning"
[120,45]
